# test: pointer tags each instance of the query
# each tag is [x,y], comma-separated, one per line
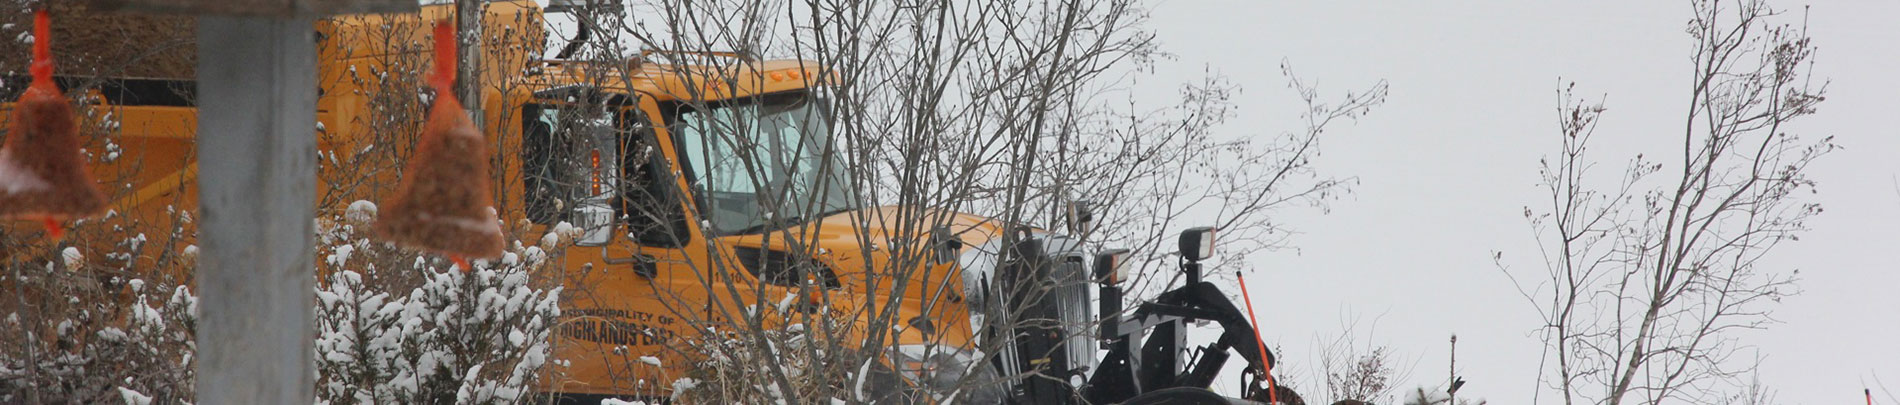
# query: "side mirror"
[595,212]
[1197,244]
[596,223]
[944,245]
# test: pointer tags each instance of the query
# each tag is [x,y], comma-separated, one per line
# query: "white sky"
[1448,164]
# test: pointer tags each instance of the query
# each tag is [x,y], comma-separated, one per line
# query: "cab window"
[576,156]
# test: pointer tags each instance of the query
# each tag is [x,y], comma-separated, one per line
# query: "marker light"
[1111,267]
[596,162]
[1197,243]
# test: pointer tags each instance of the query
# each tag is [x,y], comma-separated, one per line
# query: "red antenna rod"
[1266,368]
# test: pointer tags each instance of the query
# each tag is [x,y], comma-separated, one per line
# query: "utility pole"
[468,34]
[257,150]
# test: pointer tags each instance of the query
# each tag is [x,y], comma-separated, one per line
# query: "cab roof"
[741,77]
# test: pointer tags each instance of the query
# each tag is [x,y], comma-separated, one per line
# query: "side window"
[543,156]
[649,199]
[599,155]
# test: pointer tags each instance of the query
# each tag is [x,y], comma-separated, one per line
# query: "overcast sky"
[1448,164]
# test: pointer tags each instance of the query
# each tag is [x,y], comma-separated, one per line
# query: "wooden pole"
[257,190]
[468,34]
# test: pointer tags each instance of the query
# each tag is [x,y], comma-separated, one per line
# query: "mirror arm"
[643,265]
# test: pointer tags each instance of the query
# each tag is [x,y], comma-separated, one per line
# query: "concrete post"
[257,96]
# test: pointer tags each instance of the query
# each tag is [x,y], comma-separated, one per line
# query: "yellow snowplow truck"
[666,228]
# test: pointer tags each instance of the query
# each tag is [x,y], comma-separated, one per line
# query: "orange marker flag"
[1273,394]
[42,175]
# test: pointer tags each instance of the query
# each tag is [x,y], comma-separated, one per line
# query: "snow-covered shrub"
[395,326]
[72,337]
[818,360]
[1435,396]
[454,336]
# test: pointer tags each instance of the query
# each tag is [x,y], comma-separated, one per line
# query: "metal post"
[257,190]
[1193,270]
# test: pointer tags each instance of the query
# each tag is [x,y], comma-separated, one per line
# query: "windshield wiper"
[767,225]
[835,212]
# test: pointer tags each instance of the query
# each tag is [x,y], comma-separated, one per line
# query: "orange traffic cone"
[42,176]
[443,202]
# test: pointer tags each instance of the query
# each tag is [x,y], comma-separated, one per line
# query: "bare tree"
[1349,368]
[1651,279]
[1005,109]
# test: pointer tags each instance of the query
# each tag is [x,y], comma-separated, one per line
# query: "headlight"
[1197,244]
[942,369]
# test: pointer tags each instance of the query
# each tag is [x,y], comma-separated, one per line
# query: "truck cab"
[699,193]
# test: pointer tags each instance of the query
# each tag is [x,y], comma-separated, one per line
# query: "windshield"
[761,163]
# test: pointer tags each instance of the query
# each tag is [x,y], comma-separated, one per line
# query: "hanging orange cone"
[42,176]
[442,204]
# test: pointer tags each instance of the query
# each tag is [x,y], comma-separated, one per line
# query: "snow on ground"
[134,397]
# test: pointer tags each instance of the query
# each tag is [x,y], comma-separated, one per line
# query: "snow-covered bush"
[818,360]
[453,336]
[394,326]
[1435,396]
[73,338]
